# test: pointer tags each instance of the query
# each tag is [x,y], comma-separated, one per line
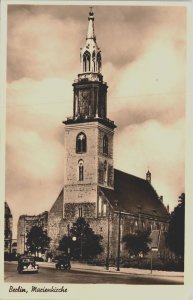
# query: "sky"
[144,65]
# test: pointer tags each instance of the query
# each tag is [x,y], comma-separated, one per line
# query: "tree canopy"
[175,235]
[137,243]
[82,242]
[37,240]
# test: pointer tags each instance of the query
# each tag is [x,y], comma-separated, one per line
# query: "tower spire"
[90,54]
[90,33]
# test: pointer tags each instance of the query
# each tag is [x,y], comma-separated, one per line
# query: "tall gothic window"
[80,170]
[104,209]
[81,143]
[99,61]
[100,206]
[105,172]
[80,211]
[93,59]
[105,145]
[86,61]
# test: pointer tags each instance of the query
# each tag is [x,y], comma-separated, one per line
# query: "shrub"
[157,264]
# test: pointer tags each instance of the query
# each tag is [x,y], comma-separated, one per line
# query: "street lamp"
[107,259]
[118,245]
[24,236]
[81,240]
[68,229]
[23,242]
[81,245]
[139,216]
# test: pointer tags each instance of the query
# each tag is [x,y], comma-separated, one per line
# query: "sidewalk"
[123,271]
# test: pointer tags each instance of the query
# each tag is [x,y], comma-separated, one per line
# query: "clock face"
[84,102]
[84,96]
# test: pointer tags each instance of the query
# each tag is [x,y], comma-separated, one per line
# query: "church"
[113,202]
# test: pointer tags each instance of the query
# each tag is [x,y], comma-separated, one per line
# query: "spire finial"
[91,14]
[90,34]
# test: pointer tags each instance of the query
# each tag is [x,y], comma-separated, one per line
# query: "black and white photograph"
[95,133]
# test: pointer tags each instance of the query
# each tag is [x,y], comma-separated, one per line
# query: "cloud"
[160,148]
[35,142]
[152,87]
[33,128]
[41,46]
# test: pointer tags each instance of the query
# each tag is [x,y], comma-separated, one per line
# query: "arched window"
[86,61]
[81,143]
[80,211]
[105,172]
[104,209]
[105,145]
[100,206]
[99,61]
[80,170]
[93,59]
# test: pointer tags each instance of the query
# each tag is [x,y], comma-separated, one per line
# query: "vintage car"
[27,264]
[63,263]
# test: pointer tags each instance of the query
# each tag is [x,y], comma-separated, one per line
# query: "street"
[51,275]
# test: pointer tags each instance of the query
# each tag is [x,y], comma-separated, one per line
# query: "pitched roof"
[134,195]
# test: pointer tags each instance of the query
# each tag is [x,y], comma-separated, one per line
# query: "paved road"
[49,275]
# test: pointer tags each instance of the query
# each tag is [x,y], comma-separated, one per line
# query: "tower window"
[105,172]
[100,206]
[81,143]
[81,170]
[80,211]
[93,59]
[99,61]
[105,145]
[86,61]
[104,209]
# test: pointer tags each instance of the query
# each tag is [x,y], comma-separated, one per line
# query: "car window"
[28,260]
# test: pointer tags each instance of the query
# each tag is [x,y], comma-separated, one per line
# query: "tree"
[175,235]
[37,240]
[65,244]
[82,241]
[137,243]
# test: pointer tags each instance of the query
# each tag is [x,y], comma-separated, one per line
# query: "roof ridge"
[131,175]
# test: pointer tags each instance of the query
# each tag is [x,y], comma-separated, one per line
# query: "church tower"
[88,154]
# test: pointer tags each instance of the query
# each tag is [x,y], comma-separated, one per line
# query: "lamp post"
[151,262]
[81,245]
[23,242]
[107,259]
[23,234]
[68,230]
[118,245]
[139,217]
